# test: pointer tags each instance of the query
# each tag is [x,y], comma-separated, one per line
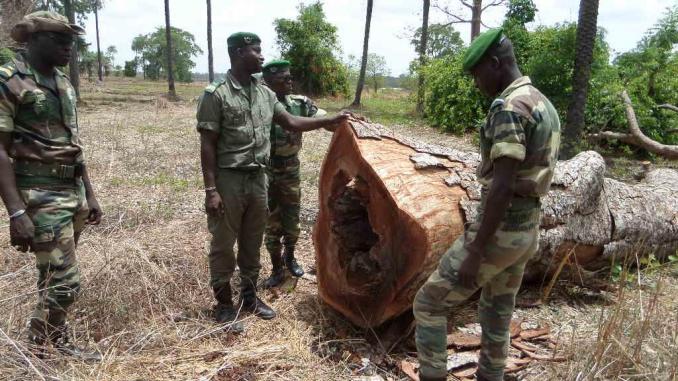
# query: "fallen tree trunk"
[390,206]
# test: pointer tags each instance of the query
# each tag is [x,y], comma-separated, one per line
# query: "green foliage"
[151,51]
[452,101]
[376,70]
[130,69]
[310,42]
[6,54]
[650,73]
[443,40]
[81,8]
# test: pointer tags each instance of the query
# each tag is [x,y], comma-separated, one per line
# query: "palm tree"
[74,69]
[170,71]
[422,57]
[587,29]
[96,7]
[363,63]
[210,54]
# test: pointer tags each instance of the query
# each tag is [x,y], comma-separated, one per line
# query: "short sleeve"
[7,109]
[508,136]
[278,108]
[209,112]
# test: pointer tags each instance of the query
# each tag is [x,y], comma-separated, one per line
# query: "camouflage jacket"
[42,119]
[522,124]
[287,143]
[242,119]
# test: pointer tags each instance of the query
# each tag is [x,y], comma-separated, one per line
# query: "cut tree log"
[388,212]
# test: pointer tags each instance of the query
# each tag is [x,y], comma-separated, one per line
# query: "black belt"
[283,161]
[40,169]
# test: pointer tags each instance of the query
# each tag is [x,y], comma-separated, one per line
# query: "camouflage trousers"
[284,196]
[500,275]
[59,217]
[244,194]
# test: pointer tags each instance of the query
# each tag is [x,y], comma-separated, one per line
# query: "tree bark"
[476,13]
[170,71]
[96,22]
[390,206]
[74,69]
[587,29]
[11,11]
[421,91]
[210,53]
[363,62]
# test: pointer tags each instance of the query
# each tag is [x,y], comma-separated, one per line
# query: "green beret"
[275,66]
[479,47]
[43,21]
[242,39]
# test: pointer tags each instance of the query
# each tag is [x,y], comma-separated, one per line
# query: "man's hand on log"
[338,120]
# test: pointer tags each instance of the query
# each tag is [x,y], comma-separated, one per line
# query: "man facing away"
[519,148]
[284,193]
[43,177]
[234,120]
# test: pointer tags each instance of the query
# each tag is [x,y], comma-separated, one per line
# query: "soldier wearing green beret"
[519,147]
[284,191]
[234,120]
[43,178]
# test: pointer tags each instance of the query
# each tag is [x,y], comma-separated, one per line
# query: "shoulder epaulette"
[297,97]
[7,71]
[499,102]
[212,87]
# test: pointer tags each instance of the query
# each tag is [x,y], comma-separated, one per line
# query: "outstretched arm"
[303,124]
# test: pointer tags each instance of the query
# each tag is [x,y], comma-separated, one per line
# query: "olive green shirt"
[39,113]
[522,124]
[242,119]
[288,143]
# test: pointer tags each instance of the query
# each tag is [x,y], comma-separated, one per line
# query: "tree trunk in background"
[476,13]
[587,29]
[170,71]
[11,11]
[390,206]
[363,63]
[96,22]
[210,54]
[74,69]
[422,57]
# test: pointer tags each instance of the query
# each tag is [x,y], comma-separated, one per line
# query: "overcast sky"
[392,23]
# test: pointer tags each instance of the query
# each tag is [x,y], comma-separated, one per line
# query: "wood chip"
[425,160]
[458,360]
[409,369]
[534,333]
[462,340]
[515,327]
[466,373]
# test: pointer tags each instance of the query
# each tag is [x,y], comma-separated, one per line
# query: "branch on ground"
[637,137]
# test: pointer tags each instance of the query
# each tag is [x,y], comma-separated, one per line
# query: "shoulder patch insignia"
[499,102]
[6,72]
[212,87]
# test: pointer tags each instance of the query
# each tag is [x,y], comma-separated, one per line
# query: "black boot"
[224,312]
[424,378]
[278,273]
[61,339]
[250,302]
[291,263]
[37,336]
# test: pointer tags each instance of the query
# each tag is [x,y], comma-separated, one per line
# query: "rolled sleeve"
[278,108]
[7,109]
[508,136]
[209,113]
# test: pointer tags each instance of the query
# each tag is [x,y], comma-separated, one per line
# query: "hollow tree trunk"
[390,206]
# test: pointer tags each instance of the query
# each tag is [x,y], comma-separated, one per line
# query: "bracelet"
[17,214]
[210,189]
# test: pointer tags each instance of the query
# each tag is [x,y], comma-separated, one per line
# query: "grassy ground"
[146,299]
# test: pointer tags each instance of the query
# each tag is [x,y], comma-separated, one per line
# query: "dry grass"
[146,298]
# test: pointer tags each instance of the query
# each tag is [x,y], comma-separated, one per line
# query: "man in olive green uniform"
[234,120]
[284,191]
[43,178]
[519,148]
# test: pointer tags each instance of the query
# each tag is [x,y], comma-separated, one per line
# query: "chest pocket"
[234,126]
[34,101]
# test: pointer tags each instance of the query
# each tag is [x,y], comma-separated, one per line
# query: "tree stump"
[390,206]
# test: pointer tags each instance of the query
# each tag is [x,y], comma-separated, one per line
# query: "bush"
[130,69]
[6,55]
[452,101]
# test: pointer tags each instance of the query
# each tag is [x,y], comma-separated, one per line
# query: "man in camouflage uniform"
[519,148]
[284,191]
[43,178]
[234,120]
